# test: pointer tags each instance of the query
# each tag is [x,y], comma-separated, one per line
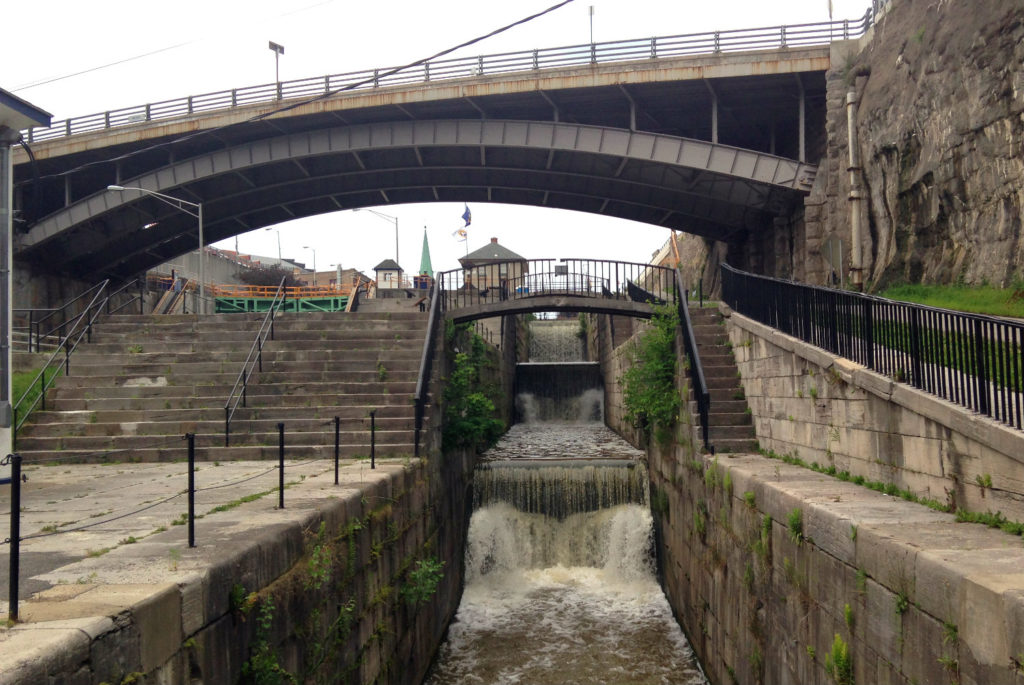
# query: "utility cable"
[317,98]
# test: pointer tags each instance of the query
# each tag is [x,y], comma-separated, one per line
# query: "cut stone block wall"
[765,564]
[826,409]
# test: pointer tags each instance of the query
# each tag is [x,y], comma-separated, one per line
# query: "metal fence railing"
[710,42]
[972,360]
[531,278]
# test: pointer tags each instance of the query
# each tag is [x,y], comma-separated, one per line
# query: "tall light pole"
[279,260]
[388,217]
[278,51]
[307,247]
[195,211]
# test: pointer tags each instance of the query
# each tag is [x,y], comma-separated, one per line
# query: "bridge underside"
[626,142]
[551,303]
[711,190]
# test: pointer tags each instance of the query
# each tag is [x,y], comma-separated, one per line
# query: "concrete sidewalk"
[75,515]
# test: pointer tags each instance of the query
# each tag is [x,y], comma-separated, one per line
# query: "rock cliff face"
[940,85]
[941,126]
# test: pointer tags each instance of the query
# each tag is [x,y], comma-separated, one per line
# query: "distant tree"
[267,275]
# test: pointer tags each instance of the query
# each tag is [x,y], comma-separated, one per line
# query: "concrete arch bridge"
[707,133]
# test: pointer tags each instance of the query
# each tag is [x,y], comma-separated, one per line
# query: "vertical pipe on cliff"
[856,196]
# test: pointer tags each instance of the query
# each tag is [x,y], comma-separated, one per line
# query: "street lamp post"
[183,206]
[307,247]
[388,217]
[278,51]
[279,260]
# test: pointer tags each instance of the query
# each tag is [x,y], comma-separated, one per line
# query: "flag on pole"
[467,216]
[460,234]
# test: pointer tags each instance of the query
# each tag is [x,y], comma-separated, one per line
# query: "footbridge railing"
[708,42]
[525,280]
[505,287]
[972,360]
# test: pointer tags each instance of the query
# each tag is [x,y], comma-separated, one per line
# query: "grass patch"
[22,381]
[983,299]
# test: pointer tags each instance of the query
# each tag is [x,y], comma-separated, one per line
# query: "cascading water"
[560,585]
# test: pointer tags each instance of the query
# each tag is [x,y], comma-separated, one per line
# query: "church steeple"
[425,267]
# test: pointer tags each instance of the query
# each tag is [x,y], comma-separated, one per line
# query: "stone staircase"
[732,429]
[144,381]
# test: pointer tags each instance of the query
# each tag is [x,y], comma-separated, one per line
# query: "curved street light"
[182,205]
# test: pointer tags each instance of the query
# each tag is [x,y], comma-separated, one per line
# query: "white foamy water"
[569,599]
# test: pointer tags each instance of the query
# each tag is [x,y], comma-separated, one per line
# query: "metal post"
[12,583]
[191,437]
[280,466]
[856,197]
[202,263]
[981,371]
[337,446]
[373,439]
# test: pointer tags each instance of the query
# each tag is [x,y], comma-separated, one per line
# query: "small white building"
[389,275]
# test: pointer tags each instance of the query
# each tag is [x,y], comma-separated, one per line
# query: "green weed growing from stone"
[649,392]
[795,524]
[838,663]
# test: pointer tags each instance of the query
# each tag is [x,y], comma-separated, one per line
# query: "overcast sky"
[145,51]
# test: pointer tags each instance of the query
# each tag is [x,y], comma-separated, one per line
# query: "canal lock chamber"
[560,571]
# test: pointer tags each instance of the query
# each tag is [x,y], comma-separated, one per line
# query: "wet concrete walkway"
[98,538]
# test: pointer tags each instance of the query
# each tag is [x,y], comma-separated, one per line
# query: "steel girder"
[691,185]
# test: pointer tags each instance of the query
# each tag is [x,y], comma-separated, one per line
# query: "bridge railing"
[530,278]
[709,42]
[972,360]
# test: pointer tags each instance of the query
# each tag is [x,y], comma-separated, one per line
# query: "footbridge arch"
[596,286]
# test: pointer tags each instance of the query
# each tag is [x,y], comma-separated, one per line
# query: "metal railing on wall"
[239,392]
[701,393]
[709,42]
[530,278]
[972,360]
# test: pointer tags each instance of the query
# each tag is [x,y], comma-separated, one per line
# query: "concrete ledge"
[139,602]
[891,577]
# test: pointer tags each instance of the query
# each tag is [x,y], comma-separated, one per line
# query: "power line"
[317,98]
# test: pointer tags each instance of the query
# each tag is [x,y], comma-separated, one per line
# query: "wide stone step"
[84,356]
[268,377]
[221,391]
[271,362]
[148,346]
[735,446]
[722,382]
[719,371]
[725,394]
[397,407]
[720,418]
[239,436]
[266,424]
[213,450]
[190,402]
[731,432]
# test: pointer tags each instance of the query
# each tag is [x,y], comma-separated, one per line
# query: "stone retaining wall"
[770,566]
[822,408]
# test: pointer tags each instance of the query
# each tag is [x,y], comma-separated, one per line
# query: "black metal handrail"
[35,325]
[80,327]
[972,360]
[700,385]
[530,278]
[708,42]
[135,298]
[255,358]
[426,364]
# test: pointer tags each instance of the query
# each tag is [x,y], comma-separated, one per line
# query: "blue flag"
[467,216]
